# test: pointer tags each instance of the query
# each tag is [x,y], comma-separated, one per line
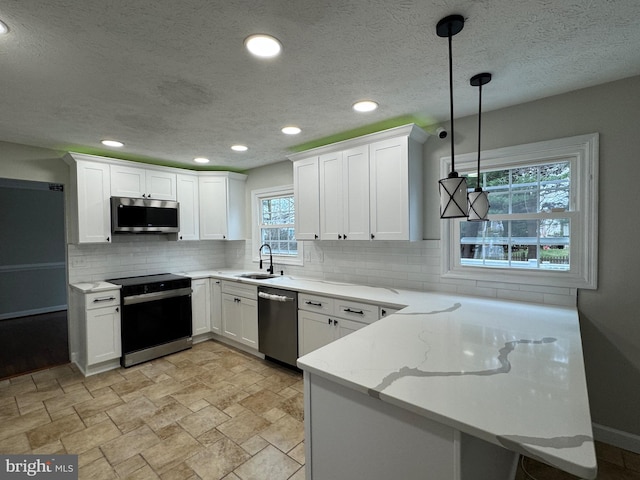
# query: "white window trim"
[583,150]
[256,196]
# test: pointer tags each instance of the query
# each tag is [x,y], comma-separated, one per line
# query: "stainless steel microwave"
[144,215]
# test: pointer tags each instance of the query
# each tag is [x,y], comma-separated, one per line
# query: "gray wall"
[609,316]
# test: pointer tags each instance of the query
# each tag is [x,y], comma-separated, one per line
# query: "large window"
[542,226]
[274,224]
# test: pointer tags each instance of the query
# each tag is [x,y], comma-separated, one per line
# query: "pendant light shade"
[453,196]
[479,199]
[453,189]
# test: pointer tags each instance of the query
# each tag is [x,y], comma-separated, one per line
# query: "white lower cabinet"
[200,307]
[322,320]
[240,313]
[216,305]
[95,330]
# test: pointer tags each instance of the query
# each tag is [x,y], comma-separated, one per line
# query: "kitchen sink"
[257,276]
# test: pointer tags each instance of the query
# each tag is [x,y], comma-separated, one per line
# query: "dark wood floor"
[32,343]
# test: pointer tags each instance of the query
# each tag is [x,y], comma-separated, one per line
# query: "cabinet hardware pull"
[103,299]
[316,236]
[117,309]
[384,312]
[348,310]
[372,236]
[313,303]
[108,239]
[345,236]
[339,237]
[330,321]
[335,322]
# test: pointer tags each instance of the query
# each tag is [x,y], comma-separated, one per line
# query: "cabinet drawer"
[315,303]
[360,312]
[102,299]
[240,289]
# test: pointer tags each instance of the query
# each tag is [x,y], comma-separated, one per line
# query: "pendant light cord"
[479,131]
[453,163]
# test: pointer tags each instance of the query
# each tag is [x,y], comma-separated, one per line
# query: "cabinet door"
[249,315]
[128,181]
[390,189]
[187,195]
[94,209]
[160,185]
[216,306]
[331,191]
[355,184]
[306,188]
[103,334]
[314,331]
[345,327]
[231,319]
[213,208]
[200,306]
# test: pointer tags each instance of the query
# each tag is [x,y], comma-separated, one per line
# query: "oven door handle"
[152,297]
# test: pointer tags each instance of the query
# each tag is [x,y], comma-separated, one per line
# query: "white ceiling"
[172,80]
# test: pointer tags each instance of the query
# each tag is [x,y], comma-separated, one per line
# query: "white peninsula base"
[350,435]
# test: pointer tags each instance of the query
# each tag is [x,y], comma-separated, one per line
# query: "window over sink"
[542,227]
[273,216]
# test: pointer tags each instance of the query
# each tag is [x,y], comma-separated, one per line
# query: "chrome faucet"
[270,269]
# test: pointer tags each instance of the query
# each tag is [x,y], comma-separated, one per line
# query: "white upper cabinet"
[221,205]
[344,194]
[90,212]
[306,180]
[355,185]
[211,203]
[331,191]
[396,189]
[188,198]
[127,181]
[369,187]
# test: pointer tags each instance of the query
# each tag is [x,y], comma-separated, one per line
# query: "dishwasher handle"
[275,298]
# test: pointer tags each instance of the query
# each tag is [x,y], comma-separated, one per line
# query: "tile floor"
[211,412]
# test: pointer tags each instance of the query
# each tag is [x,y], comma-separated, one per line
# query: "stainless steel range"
[156,316]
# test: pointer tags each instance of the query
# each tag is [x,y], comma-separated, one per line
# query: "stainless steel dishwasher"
[278,324]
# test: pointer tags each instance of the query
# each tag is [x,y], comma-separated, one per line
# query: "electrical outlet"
[78,262]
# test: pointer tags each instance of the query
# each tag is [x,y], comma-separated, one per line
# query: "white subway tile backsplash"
[406,265]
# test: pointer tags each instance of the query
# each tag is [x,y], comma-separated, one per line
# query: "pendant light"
[453,189]
[479,200]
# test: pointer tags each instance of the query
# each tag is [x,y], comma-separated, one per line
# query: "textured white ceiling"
[173,81]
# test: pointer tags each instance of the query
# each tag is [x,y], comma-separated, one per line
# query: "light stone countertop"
[510,373]
[91,287]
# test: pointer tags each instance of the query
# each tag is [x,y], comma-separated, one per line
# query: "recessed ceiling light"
[291,130]
[239,148]
[365,106]
[3,28]
[264,46]
[201,160]
[112,143]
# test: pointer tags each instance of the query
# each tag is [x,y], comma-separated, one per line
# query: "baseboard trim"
[617,438]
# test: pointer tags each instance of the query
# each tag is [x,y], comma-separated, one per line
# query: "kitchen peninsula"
[450,387]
